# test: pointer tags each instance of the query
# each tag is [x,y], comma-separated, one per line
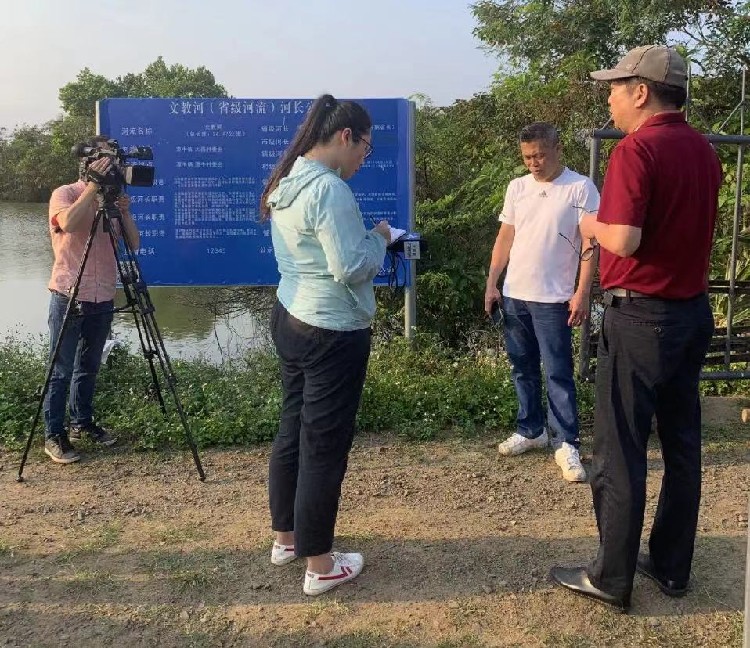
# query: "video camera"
[120,173]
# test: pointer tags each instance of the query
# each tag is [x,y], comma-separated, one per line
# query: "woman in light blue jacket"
[321,328]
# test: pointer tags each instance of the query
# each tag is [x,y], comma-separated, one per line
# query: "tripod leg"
[152,332]
[147,347]
[188,435]
[157,387]
[128,274]
[151,341]
[154,336]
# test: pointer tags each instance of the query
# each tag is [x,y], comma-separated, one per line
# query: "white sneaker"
[517,444]
[567,457]
[282,554]
[346,566]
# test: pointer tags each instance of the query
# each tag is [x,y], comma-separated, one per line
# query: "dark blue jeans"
[536,333]
[322,376]
[77,362]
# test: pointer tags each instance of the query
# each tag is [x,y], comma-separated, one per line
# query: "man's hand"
[579,309]
[98,169]
[384,229]
[123,204]
[587,225]
[130,228]
[622,240]
[491,295]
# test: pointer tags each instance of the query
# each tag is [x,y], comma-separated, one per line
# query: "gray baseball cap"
[652,62]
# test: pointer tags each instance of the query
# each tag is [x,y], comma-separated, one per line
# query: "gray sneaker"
[60,451]
[94,432]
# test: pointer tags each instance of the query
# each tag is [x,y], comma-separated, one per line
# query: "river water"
[184,315]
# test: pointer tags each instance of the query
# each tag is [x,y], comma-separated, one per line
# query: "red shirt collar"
[663,118]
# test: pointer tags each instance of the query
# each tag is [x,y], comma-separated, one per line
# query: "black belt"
[616,296]
[629,294]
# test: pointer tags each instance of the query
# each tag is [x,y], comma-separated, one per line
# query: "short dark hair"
[666,95]
[540,132]
[325,117]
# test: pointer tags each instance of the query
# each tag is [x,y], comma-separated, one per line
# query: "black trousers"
[322,374]
[648,363]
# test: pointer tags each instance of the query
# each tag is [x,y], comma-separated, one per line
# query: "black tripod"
[138,302]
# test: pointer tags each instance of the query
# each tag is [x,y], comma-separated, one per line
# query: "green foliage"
[454,143]
[23,163]
[460,229]
[237,403]
[466,155]
[21,373]
[467,152]
[36,159]
[721,255]
[79,97]
[415,391]
[427,389]
[543,34]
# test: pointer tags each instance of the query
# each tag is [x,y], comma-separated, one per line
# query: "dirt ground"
[131,549]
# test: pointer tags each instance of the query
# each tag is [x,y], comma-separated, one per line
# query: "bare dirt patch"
[131,549]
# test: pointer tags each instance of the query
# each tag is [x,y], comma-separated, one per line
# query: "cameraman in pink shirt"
[72,209]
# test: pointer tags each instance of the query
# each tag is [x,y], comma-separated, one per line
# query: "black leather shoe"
[577,581]
[671,588]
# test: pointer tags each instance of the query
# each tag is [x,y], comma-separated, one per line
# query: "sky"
[255,48]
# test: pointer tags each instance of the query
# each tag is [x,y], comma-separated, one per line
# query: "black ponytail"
[326,117]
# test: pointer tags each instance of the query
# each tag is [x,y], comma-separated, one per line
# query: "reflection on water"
[185,315]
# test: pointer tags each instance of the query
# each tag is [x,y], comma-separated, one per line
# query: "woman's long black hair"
[325,117]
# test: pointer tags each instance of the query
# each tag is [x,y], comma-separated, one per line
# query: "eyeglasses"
[583,255]
[369,146]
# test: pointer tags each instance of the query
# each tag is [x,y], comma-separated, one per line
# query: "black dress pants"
[322,374]
[649,359]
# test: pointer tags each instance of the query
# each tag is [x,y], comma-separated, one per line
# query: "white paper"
[396,233]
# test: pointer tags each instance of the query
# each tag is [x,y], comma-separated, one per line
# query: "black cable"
[395,263]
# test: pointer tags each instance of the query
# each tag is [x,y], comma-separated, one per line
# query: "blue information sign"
[199,223]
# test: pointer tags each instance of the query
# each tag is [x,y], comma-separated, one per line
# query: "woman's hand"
[384,229]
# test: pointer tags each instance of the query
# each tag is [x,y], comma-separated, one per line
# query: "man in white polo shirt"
[540,244]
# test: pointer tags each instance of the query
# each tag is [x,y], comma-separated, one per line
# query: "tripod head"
[109,210]
[108,194]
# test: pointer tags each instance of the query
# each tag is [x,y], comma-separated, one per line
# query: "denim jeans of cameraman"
[77,362]
[322,376]
[535,333]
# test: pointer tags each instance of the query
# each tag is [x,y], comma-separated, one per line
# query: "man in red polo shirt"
[655,227]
